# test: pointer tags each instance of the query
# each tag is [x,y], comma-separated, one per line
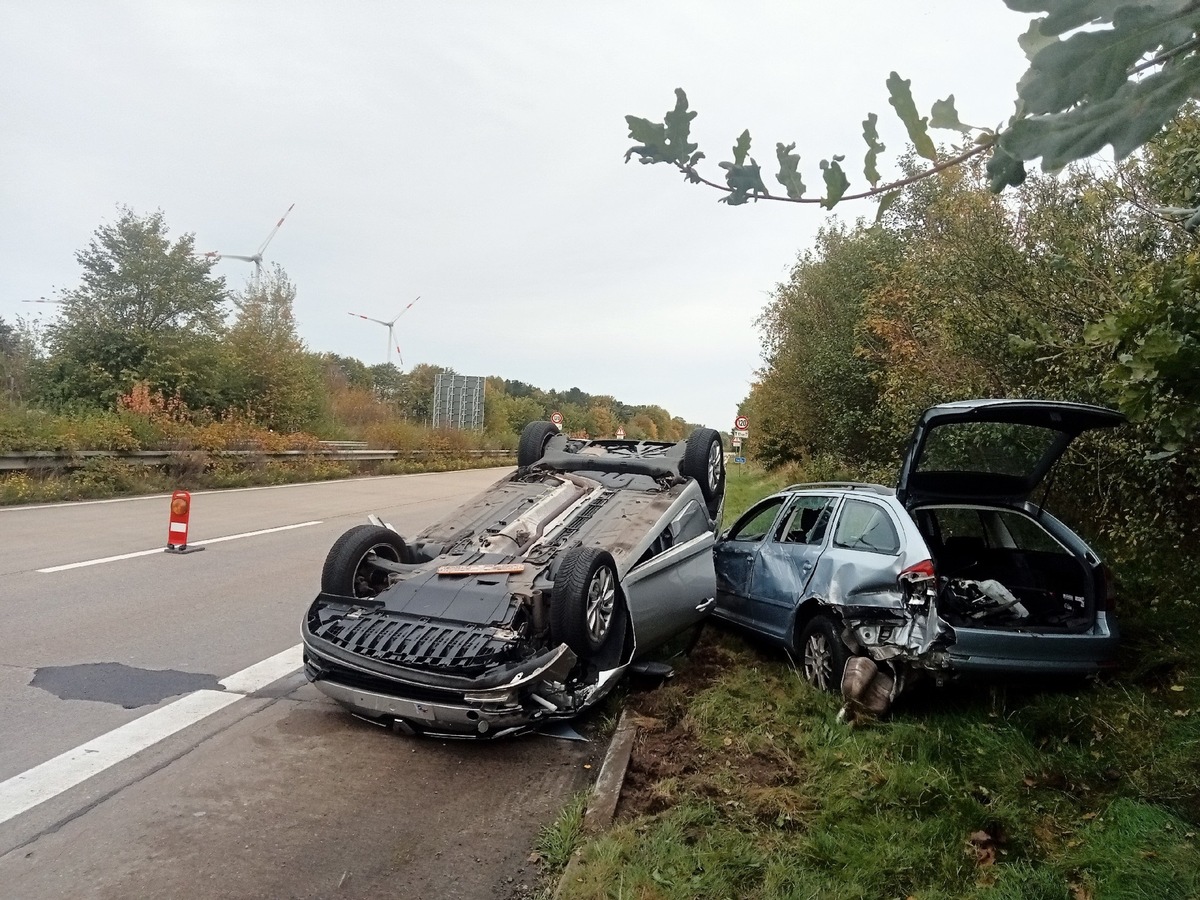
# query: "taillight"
[919,583]
[923,569]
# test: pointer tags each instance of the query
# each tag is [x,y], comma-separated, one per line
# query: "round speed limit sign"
[556,418]
[741,423]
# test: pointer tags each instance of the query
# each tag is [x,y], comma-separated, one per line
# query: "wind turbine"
[390,327]
[257,256]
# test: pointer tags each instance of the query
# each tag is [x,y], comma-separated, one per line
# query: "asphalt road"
[158,740]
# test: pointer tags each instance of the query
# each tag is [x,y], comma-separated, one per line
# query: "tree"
[146,309]
[272,375]
[1099,73]
[416,400]
[17,356]
[818,394]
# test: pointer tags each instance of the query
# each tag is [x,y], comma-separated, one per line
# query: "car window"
[690,523]
[965,531]
[805,520]
[754,525]
[1029,535]
[995,447]
[865,526]
[959,523]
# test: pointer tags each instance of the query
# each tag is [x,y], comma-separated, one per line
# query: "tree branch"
[694,176]
[1193,44]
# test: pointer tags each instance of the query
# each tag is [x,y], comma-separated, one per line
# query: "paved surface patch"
[126,686]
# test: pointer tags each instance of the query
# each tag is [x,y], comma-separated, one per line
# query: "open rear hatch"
[992,451]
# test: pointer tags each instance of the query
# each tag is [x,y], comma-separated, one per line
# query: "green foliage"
[146,308]
[1110,73]
[558,840]
[874,148]
[270,372]
[744,179]
[810,334]
[901,99]
[667,142]
[789,171]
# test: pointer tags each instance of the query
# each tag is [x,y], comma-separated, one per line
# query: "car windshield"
[999,448]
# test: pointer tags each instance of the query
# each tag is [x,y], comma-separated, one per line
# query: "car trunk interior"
[1043,586]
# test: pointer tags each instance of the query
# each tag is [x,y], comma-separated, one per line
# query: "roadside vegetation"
[151,351]
[743,784]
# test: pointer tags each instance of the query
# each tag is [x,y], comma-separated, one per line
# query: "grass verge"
[103,478]
[744,785]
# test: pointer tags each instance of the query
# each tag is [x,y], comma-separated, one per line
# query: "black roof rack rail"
[851,485]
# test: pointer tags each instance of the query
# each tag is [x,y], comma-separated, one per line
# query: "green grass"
[745,484]
[558,840]
[107,477]
[1096,790]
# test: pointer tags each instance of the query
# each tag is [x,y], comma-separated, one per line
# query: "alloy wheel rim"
[818,661]
[601,599]
[714,465]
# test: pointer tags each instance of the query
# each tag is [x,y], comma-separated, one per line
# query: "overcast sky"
[471,153]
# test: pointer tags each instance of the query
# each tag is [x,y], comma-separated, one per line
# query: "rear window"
[963,527]
[865,526]
[999,448]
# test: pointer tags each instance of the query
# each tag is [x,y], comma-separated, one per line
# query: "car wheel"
[822,654]
[585,601]
[347,571]
[704,460]
[534,438]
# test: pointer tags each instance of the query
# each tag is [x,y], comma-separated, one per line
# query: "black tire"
[586,600]
[821,654]
[347,572]
[534,438]
[704,460]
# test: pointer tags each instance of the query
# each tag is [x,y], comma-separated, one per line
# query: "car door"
[673,587]
[735,553]
[785,562]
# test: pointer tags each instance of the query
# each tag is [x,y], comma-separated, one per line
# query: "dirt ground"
[666,747]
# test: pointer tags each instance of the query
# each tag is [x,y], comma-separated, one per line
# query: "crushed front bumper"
[444,706]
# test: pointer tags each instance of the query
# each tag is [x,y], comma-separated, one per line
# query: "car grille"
[461,649]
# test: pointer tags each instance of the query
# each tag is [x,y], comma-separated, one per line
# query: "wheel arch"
[805,612]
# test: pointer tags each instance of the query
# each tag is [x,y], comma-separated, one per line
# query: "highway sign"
[741,423]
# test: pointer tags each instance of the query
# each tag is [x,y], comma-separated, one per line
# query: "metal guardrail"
[53,459]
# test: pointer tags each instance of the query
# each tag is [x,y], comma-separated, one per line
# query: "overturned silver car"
[529,602]
[956,571]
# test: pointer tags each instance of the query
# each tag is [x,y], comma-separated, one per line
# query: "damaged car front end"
[529,602]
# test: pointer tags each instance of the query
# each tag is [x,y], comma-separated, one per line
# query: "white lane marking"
[136,553]
[259,675]
[49,779]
